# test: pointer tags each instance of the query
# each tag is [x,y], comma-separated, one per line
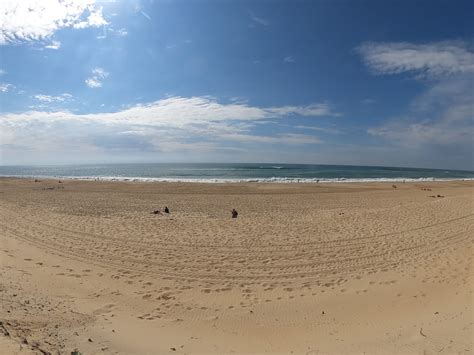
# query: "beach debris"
[421,332]
[173,349]
[76,352]
[90,340]
[394,186]
[439,196]
[323,312]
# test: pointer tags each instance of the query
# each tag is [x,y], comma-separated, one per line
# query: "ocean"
[219,172]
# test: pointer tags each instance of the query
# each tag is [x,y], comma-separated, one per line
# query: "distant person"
[167,210]
[234,213]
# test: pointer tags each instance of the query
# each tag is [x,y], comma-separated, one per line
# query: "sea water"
[220,172]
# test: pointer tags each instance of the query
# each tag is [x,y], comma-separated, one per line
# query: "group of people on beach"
[167,211]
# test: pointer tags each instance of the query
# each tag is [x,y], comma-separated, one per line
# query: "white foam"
[280,180]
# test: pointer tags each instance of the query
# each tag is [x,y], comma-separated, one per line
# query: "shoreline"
[273,180]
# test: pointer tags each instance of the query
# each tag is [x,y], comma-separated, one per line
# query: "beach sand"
[304,269]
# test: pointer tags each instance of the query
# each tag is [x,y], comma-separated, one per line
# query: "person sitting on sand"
[167,209]
[234,213]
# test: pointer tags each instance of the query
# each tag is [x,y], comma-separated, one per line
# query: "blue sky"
[325,82]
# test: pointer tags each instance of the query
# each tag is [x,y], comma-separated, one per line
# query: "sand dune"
[306,268]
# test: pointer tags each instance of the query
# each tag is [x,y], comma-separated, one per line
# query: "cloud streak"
[49,98]
[426,60]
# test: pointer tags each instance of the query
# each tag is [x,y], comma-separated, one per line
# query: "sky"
[321,82]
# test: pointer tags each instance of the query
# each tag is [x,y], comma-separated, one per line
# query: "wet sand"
[305,268]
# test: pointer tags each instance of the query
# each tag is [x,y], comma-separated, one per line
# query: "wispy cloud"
[171,124]
[368,101]
[287,138]
[148,17]
[98,75]
[322,109]
[259,20]
[122,32]
[53,45]
[2,72]
[289,59]
[49,98]
[443,113]
[4,87]
[426,60]
[30,20]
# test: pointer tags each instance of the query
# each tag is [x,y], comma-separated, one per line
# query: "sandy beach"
[304,269]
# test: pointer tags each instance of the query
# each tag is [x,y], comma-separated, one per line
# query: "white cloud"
[93,83]
[170,125]
[426,60]
[98,74]
[5,87]
[49,98]
[2,72]
[289,59]
[30,20]
[53,45]
[443,114]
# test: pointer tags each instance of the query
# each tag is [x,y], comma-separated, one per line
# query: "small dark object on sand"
[439,196]
[167,209]
[156,212]
[60,182]
[173,349]
[394,186]
[234,213]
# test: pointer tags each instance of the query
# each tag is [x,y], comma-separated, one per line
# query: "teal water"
[234,172]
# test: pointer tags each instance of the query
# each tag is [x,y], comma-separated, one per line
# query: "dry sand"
[340,268]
